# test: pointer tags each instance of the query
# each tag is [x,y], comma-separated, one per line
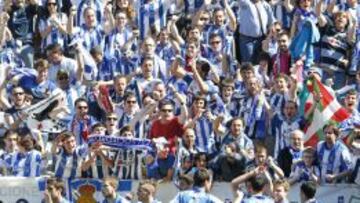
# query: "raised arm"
[70,23]
[110,21]
[231,15]
[204,88]
[320,15]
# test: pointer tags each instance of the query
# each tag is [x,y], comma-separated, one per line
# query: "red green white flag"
[328,110]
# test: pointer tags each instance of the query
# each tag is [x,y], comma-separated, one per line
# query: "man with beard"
[281,61]
[28,159]
[333,156]
[109,192]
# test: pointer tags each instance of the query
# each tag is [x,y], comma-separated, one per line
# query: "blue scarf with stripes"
[122,142]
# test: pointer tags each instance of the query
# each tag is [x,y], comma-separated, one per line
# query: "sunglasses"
[131,102]
[51,4]
[82,107]
[63,78]
[204,19]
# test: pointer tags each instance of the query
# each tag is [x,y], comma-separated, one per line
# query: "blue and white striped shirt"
[334,160]
[69,165]
[27,164]
[55,36]
[152,14]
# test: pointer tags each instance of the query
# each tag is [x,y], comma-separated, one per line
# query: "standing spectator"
[52,26]
[54,192]
[28,161]
[338,36]
[354,143]
[284,124]
[68,156]
[255,19]
[14,117]
[169,126]
[60,62]
[21,26]
[281,60]
[334,157]
[306,169]
[8,154]
[293,153]
[81,123]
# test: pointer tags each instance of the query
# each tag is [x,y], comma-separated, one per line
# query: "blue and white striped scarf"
[122,142]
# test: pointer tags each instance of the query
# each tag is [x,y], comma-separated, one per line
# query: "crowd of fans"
[216,85]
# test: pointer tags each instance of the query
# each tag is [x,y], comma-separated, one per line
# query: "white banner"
[21,190]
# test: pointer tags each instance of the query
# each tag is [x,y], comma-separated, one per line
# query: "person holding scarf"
[334,157]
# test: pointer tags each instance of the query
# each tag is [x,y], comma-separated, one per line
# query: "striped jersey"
[69,165]
[27,164]
[334,160]
[55,36]
[152,15]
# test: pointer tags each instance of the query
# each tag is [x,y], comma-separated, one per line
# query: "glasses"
[166,110]
[82,107]
[63,78]
[215,42]
[18,93]
[51,4]
[131,102]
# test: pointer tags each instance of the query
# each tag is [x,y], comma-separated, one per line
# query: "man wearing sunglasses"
[72,92]
[82,121]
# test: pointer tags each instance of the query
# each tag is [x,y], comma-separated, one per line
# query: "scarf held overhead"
[122,142]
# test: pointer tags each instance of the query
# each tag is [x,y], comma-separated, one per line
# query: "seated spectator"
[305,169]
[109,188]
[146,192]
[55,190]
